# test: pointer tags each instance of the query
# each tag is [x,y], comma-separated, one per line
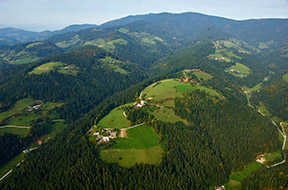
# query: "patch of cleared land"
[163,94]
[96,42]
[123,30]
[239,70]
[45,68]
[148,40]
[17,107]
[237,177]
[65,44]
[18,131]
[201,75]
[115,119]
[141,146]
[264,110]
[129,157]
[285,77]
[10,165]
[110,46]
[25,60]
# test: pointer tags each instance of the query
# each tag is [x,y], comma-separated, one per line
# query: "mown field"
[115,119]
[18,131]
[201,75]
[244,71]
[141,146]
[45,68]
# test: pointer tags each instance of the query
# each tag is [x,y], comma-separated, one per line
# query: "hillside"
[157,101]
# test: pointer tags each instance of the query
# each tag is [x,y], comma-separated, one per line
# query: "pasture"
[45,68]
[201,75]
[18,131]
[141,137]
[243,70]
[285,77]
[115,119]
[17,107]
[167,115]
[129,157]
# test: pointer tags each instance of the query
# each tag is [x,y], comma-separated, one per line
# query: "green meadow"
[244,71]
[201,75]
[47,67]
[285,77]
[115,119]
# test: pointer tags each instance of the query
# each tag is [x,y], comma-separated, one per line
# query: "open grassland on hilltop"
[47,67]
[141,146]
[239,70]
[115,119]
[201,75]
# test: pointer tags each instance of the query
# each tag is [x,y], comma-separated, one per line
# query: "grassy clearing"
[19,106]
[239,70]
[25,118]
[47,67]
[129,157]
[158,39]
[17,131]
[115,119]
[167,115]
[65,44]
[264,110]
[185,89]
[25,60]
[273,155]
[34,44]
[141,137]
[237,177]
[201,75]
[10,165]
[169,103]
[165,89]
[285,77]
[110,46]
[118,69]
[96,42]
[123,30]
[148,40]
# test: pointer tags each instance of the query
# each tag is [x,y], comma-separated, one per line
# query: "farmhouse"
[106,139]
[261,159]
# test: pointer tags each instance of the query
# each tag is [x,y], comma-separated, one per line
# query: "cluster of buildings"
[261,159]
[140,104]
[31,108]
[222,187]
[112,135]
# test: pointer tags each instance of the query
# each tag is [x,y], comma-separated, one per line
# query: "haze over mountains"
[190,24]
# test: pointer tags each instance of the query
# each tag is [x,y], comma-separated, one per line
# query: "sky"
[39,15]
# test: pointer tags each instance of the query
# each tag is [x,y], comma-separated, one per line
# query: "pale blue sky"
[41,15]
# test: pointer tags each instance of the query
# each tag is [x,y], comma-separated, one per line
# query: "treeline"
[272,178]
[197,155]
[274,95]
[80,93]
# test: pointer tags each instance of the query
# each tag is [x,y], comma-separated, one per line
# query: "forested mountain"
[207,129]
[13,36]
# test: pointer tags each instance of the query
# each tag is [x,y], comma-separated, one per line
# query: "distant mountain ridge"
[14,36]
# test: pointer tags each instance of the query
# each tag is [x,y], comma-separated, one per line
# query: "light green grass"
[239,176]
[285,77]
[19,106]
[25,60]
[65,44]
[273,155]
[264,110]
[201,75]
[141,137]
[115,119]
[34,44]
[148,40]
[123,30]
[96,42]
[17,131]
[167,115]
[10,165]
[47,67]
[244,71]
[185,89]
[163,90]
[110,46]
[118,69]
[169,103]
[158,39]
[129,157]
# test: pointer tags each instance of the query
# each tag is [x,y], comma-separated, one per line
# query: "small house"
[106,139]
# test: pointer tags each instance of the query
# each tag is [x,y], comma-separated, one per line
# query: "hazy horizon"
[40,15]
